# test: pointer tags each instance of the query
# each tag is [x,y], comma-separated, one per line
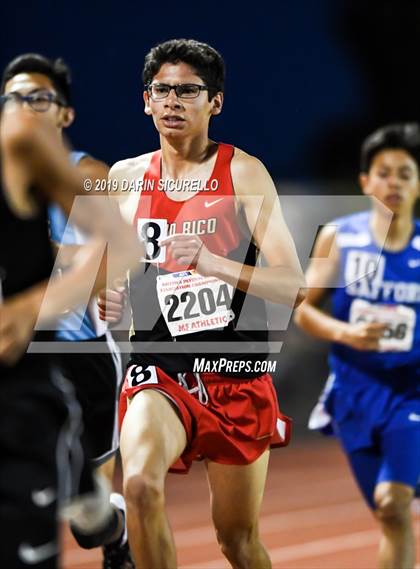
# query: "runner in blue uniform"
[373,395]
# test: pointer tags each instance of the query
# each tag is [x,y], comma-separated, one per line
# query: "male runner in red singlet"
[204,210]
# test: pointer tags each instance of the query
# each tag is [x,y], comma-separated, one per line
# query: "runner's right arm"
[95,171]
[112,302]
[31,158]
[320,277]
[35,160]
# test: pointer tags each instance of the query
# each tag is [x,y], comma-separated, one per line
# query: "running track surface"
[312,516]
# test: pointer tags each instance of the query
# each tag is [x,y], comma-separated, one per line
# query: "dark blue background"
[306,79]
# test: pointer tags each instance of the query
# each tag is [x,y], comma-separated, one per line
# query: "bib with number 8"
[151,231]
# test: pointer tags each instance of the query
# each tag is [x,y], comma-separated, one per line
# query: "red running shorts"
[227,420]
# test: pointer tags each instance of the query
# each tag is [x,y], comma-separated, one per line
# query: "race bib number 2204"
[192,303]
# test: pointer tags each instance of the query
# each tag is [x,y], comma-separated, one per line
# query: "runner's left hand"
[188,249]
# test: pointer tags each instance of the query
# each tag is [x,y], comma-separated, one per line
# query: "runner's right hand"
[111,303]
[363,336]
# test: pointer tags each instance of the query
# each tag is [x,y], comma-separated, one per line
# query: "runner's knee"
[392,503]
[237,542]
[143,492]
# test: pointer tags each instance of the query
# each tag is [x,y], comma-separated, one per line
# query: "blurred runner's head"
[42,85]
[390,166]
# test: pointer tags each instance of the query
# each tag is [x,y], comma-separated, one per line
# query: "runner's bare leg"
[236,495]
[152,438]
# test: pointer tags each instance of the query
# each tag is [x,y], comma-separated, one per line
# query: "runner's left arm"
[282,280]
